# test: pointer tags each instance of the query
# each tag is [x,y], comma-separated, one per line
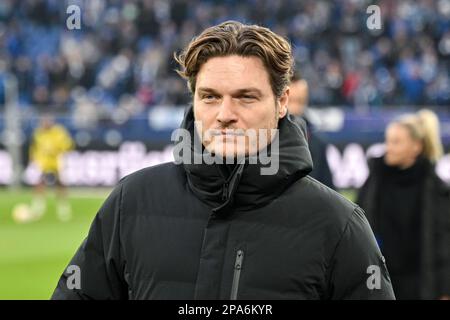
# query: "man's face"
[232,96]
[298,97]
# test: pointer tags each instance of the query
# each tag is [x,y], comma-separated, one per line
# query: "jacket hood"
[243,186]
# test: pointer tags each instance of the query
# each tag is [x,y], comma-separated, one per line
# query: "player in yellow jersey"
[49,143]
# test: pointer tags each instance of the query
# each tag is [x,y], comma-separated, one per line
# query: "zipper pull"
[225,191]
[237,274]
[239,259]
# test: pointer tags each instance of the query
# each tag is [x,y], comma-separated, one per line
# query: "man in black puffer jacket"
[241,230]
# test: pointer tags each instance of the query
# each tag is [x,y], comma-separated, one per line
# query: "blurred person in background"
[408,207]
[298,101]
[49,143]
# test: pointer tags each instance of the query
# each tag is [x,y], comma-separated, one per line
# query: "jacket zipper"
[237,273]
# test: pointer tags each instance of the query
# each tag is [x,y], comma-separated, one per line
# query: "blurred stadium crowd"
[121,58]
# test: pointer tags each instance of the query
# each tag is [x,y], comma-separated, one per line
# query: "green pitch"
[33,255]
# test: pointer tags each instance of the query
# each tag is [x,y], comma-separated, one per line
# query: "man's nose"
[227,113]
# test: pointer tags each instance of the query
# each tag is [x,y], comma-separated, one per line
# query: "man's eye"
[248,98]
[209,97]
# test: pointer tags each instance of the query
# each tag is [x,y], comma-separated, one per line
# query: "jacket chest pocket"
[266,275]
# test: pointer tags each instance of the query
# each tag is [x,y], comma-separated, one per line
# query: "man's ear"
[283,104]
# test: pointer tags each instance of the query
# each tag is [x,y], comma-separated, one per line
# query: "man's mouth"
[228,132]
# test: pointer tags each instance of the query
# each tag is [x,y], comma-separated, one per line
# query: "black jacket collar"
[246,188]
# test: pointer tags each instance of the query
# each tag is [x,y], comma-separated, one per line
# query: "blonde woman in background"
[408,207]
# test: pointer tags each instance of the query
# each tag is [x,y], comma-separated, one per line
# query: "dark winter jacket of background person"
[191,231]
[409,211]
[318,148]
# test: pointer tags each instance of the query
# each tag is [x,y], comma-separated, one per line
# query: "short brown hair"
[235,38]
